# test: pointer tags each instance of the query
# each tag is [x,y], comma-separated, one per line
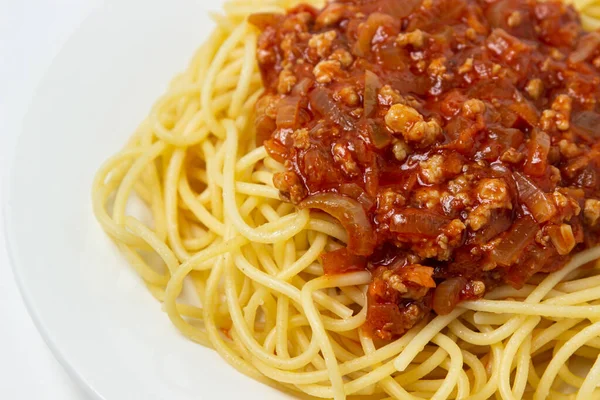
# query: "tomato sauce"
[455,140]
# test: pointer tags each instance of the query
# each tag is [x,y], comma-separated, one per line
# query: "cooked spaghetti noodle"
[252,260]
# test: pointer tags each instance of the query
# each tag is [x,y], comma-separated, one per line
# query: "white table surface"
[31,34]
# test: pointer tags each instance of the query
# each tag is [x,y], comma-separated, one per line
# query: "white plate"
[92,310]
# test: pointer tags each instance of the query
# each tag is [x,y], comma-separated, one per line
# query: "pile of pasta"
[239,268]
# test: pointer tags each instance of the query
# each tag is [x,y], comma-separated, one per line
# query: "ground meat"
[326,70]
[514,19]
[402,119]
[512,156]
[287,80]
[389,96]
[322,43]
[410,282]
[427,198]
[343,56]
[400,149]
[301,138]
[345,160]
[407,121]
[492,194]
[473,108]
[387,202]
[591,211]
[454,231]
[437,67]
[558,117]
[290,186]
[349,96]
[415,39]
[466,67]
[569,149]
[408,286]
[432,170]
[535,88]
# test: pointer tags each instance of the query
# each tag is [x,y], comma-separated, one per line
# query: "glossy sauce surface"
[455,140]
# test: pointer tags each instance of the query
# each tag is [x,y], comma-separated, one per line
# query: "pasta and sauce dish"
[378,199]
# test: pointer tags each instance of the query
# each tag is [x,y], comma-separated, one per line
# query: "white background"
[31,34]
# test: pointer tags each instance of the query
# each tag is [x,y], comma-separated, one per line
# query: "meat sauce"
[455,140]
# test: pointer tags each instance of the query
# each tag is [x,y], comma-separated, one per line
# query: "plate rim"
[92,382]
[11,252]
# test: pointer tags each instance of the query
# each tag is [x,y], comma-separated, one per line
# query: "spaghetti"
[249,261]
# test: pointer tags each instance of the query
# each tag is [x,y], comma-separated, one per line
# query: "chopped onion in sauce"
[302,88]
[588,44]
[321,102]
[413,221]
[367,31]
[589,122]
[526,112]
[562,237]
[516,240]
[351,215]
[288,112]
[265,126]
[372,85]
[398,9]
[501,220]
[541,206]
[379,135]
[447,295]
[341,261]
[264,20]
[539,147]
